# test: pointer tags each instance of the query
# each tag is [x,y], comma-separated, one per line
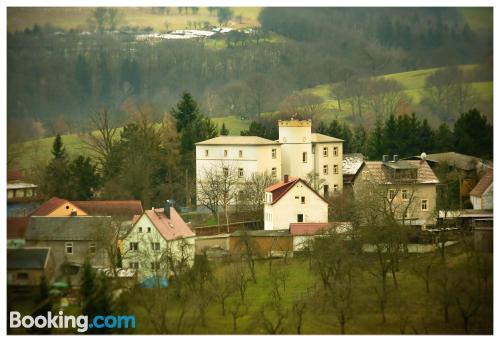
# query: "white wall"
[145,255]
[285,211]
[331,179]
[485,202]
[296,140]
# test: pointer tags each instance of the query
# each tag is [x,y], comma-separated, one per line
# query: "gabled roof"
[67,228]
[237,140]
[170,228]
[16,227]
[304,228]
[111,208]
[483,184]
[380,173]
[321,138]
[27,258]
[49,206]
[279,189]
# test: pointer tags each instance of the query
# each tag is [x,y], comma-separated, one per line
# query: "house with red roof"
[481,196]
[293,200]
[158,238]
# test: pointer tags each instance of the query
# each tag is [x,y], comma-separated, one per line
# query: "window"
[325,151]
[92,248]
[225,153]
[300,217]
[134,246]
[273,153]
[240,173]
[134,265]
[225,171]
[10,194]
[240,153]
[335,151]
[273,172]
[391,194]
[325,189]
[20,193]
[149,229]
[68,247]
[155,266]
[304,157]
[303,200]
[155,246]
[335,187]
[140,229]
[206,153]
[404,194]
[335,169]
[423,205]
[325,169]
[22,276]
[29,193]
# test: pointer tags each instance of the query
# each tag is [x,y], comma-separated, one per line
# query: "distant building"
[304,233]
[481,195]
[27,266]
[408,186]
[57,207]
[292,200]
[351,167]
[22,196]
[157,238]
[72,240]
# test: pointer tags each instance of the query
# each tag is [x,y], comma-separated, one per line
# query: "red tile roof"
[16,227]
[172,228]
[49,206]
[305,228]
[483,184]
[111,208]
[279,189]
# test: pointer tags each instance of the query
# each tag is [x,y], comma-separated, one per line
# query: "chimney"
[395,158]
[385,158]
[285,178]
[166,208]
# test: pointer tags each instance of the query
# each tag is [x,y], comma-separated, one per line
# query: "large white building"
[298,152]
[290,201]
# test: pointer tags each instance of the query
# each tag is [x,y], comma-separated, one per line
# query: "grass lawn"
[422,311]
[67,18]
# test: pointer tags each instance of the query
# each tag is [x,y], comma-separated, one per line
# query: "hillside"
[413,83]
[36,151]
[76,18]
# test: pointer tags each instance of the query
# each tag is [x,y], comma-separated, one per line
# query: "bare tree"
[384,96]
[251,196]
[102,140]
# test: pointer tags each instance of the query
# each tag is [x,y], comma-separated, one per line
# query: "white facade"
[146,250]
[298,204]
[297,153]
[484,202]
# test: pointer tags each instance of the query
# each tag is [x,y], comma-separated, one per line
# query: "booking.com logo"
[61,321]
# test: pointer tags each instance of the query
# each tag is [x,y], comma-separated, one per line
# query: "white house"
[157,240]
[292,200]
[297,152]
[303,153]
[481,195]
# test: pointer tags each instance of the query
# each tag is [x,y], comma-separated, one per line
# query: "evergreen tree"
[224,130]
[376,147]
[83,179]
[474,135]
[390,141]
[444,139]
[426,138]
[359,140]
[105,77]
[57,173]
[185,112]
[58,151]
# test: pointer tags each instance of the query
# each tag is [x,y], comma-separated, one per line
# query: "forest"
[58,77]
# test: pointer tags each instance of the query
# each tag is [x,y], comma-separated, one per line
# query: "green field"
[68,18]
[413,83]
[409,309]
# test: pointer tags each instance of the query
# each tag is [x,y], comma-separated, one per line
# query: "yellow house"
[55,207]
